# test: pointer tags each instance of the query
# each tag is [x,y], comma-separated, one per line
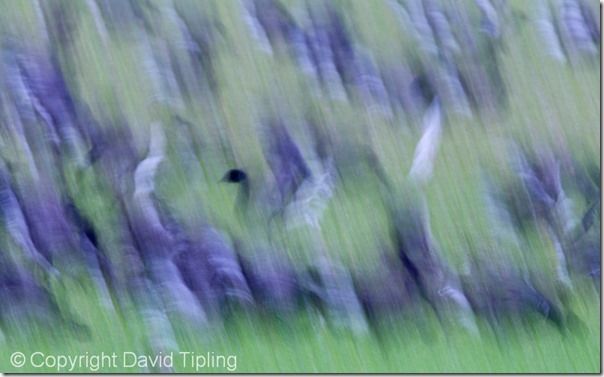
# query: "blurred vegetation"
[549,103]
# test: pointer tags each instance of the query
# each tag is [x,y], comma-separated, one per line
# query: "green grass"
[548,104]
[305,346]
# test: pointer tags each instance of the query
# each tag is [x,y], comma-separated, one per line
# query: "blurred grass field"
[548,103]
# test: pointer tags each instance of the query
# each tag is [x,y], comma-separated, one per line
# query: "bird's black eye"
[235,176]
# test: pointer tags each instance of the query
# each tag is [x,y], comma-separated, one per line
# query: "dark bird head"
[235,176]
[240,177]
[422,89]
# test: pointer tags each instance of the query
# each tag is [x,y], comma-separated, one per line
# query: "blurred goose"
[16,224]
[418,252]
[579,26]
[412,18]
[539,177]
[401,84]
[500,292]
[123,15]
[211,269]
[199,35]
[25,299]
[270,23]
[330,286]
[583,251]
[387,291]
[273,281]
[288,168]
[40,83]
[441,28]
[569,29]
[285,161]
[490,20]
[343,161]
[536,198]
[312,51]
[549,28]
[156,244]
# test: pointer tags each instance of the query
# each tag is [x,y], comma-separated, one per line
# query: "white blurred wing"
[425,152]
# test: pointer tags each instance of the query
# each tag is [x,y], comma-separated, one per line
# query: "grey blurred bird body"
[211,269]
[331,286]
[270,21]
[538,183]
[273,282]
[315,57]
[499,292]
[388,292]
[155,243]
[285,161]
[580,31]
[399,84]
[200,36]
[16,223]
[25,299]
[535,198]
[570,30]
[416,248]
[39,85]
[124,15]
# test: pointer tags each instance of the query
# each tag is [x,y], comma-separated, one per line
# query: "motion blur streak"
[305,185]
